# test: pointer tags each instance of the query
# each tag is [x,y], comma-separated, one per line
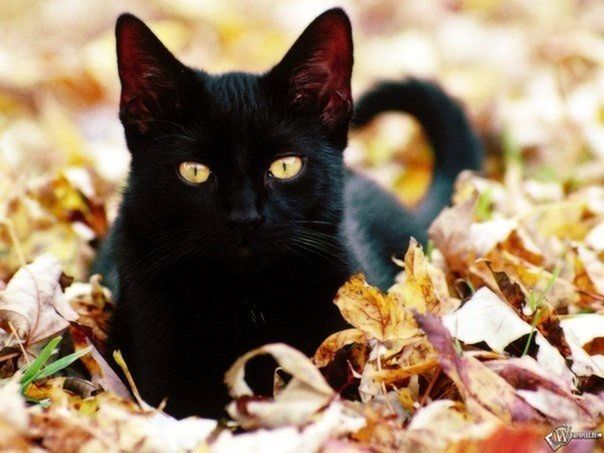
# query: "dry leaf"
[581,331]
[486,395]
[33,302]
[100,371]
[421,287]
[368,309]
[336,420]
[305,394]
[446,422]
[332,344]
[485,317]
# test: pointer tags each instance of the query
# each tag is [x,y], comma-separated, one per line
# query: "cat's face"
[237,169]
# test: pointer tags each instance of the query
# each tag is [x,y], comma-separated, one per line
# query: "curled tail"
[454,144]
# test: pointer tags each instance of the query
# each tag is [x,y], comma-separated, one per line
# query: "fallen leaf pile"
[492,335]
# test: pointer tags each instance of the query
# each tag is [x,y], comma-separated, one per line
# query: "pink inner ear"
[147,70]
[324,76]
[337,88]
[138,69]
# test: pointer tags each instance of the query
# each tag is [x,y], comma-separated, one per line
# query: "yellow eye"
[194,172]
[286,167]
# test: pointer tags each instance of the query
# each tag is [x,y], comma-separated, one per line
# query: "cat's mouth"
[244,250]
[246,257]
[245,247]
[249,250]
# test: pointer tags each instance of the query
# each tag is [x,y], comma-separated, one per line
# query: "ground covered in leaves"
[492,335]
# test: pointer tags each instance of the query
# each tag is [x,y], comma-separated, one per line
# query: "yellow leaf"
[335,342]
[397,374]
[416,290]
[368,309]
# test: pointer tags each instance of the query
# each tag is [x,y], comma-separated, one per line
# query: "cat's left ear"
[151,76]
[315,73]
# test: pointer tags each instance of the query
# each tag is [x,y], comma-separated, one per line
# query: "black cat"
[239,221]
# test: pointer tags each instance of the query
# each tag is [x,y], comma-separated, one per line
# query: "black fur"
[196,285]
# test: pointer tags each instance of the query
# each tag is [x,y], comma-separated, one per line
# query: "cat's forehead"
[238,122]
[235,93]
[235,112]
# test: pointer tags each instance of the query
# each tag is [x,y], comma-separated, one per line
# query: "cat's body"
[205,272]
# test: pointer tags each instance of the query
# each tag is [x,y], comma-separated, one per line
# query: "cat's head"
[237,168]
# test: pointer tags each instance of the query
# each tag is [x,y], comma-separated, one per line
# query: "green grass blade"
[535,305]
[429,249]
[536,319]
[33,369]
[63,362]
[552,280]
[484,208]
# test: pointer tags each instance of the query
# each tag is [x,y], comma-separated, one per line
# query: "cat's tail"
[454,144]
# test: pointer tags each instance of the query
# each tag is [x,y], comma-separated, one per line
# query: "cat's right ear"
[315,73]
[150,75]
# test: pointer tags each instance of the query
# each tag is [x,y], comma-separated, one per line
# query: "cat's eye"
[194,172]
[286,167]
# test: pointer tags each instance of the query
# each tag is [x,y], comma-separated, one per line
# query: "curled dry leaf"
[383,316]
[93,304]
[445,422]
[542,316]
[561,293]
[100,371]
[328,349]
[398,373]
[552,397]
[486,395]
[305,394]
[487,318]
[335,421]
[585,335]
[422,286]
[33,302]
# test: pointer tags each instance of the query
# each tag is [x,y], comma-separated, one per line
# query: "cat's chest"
[258,309]
[257,301]
[228,307]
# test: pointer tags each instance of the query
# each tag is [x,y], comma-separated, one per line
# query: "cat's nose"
[245,221]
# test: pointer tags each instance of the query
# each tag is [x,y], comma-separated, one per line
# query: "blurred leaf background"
[530,75]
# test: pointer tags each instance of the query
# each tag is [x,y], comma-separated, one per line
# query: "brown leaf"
[65,200]
[485,393]
[94,306]
[328,349]
[548,325]
[524,374]
[450,233]
[305,394]
[421,287]
[33,302]
[368,309]
[100,371]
